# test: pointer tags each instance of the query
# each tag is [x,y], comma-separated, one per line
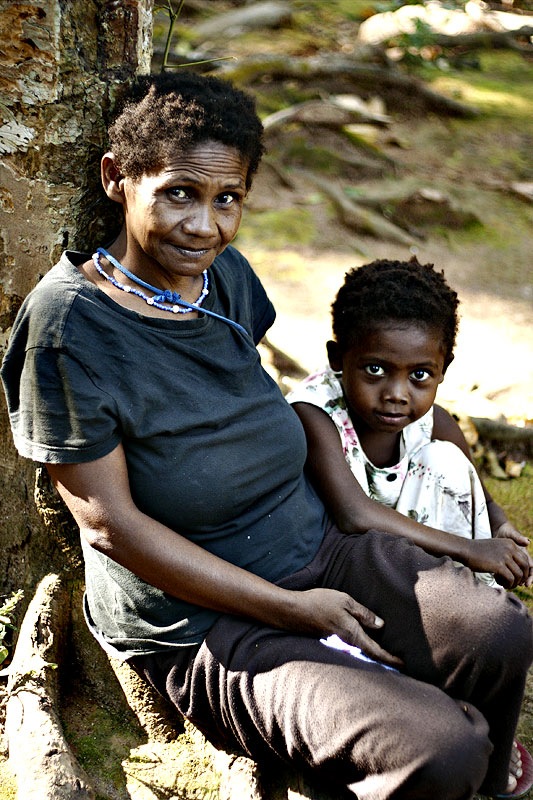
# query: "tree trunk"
[64,65]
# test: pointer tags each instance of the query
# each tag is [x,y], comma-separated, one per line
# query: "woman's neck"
[150,271]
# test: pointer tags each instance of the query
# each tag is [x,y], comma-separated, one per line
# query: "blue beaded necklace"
[165,296]
[180,306]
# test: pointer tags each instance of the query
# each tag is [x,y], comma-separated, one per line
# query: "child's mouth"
[391,419]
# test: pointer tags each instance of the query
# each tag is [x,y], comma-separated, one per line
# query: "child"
[377,443]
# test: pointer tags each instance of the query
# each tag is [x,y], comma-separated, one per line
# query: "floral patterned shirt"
[324,390]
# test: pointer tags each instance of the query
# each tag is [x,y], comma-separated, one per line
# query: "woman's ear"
[112,178]
[334,356]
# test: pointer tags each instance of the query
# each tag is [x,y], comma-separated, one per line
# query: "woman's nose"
[200,221]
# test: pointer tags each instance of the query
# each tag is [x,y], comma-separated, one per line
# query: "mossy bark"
[64,66]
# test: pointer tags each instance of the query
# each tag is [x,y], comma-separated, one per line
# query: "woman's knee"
[508,632]
[460,613]
[453,758]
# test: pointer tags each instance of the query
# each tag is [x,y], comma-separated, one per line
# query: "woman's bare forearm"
[99,498]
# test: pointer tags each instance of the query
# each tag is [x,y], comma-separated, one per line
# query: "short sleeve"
[263,312]
[57,413]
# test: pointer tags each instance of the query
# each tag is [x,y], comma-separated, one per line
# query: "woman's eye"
[374,369]
[420,375]
[178,192]
[227,198]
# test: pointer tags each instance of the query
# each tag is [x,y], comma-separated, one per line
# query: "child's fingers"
[508,531]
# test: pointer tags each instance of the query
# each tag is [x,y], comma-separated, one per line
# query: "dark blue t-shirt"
[213,449]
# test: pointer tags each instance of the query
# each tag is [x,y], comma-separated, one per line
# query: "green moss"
[183,767]
[278,229]
[502,87]
[337,11]
[101,740]
[300,151]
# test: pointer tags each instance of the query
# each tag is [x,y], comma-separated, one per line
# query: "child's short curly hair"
[394,291]
[172,112]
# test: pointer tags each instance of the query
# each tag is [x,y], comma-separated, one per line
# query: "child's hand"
[511,563]
[508,531]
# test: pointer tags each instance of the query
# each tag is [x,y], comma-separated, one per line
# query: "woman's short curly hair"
[394,291]
[174,111]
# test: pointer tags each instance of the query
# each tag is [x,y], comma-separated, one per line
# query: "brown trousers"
[441,729]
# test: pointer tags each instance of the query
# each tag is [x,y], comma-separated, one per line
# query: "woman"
[210,562]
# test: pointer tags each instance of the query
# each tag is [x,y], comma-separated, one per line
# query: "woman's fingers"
[370,648]
[328,611]
[359,615]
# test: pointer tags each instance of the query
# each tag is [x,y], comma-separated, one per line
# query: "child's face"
[391,375]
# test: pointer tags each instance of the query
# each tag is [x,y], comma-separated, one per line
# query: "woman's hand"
[510,562]
[323,612]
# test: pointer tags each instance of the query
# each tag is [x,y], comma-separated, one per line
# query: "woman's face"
[178,219]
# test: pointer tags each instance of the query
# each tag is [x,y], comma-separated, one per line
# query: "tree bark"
[64,65]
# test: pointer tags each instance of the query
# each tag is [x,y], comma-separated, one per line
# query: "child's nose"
[395,391]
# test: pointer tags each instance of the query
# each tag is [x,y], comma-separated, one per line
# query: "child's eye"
[420,375]
[374,369]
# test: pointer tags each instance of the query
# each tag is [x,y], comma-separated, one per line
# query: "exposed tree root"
[358,218]
[43,763]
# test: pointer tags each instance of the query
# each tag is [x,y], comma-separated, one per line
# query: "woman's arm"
[98,495]
[355,512]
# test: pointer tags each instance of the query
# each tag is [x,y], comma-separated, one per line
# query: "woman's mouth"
[191,252]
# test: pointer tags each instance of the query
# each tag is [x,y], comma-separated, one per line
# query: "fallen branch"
[42,761]
[410,208]
[485,40]
[496,431]
[260,15]
[369,77]
[328,113]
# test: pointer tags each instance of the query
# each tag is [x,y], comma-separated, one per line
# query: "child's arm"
[355,512]
[446,429]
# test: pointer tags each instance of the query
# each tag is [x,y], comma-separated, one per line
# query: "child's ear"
[112,178]
[334,356]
